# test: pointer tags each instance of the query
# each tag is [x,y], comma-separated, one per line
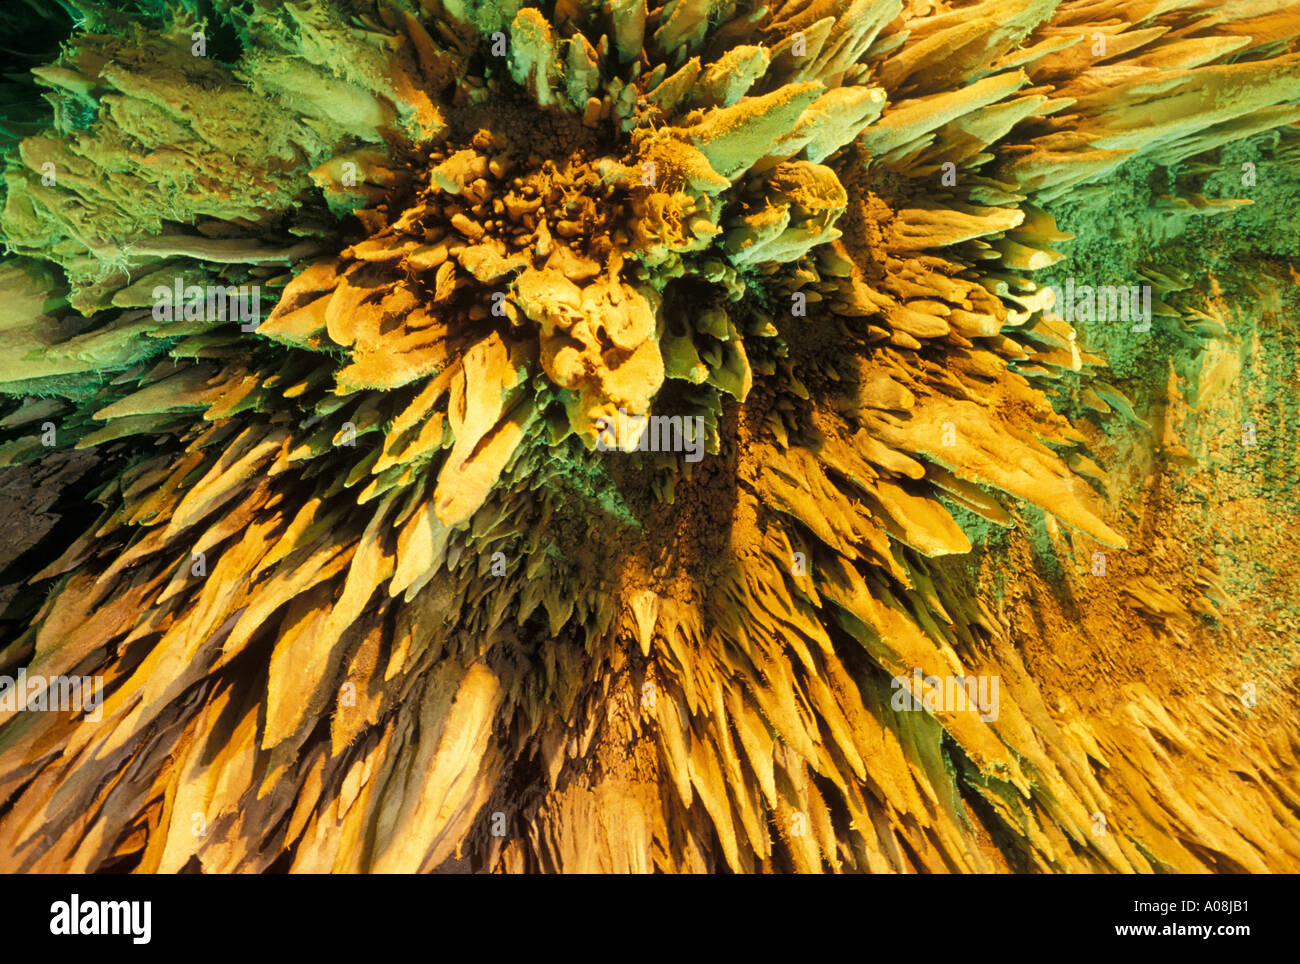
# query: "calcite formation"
[363,587]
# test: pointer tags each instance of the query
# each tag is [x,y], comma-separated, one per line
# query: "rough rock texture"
[367,595]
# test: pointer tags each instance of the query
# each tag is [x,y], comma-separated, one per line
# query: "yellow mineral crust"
[815,229]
